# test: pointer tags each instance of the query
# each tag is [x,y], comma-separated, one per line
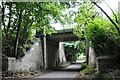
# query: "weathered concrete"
[63,35]
[92,57]
[62,58]
[33,59]
[48,54]
[4,64]
[106,62]
[8,64]
[51,51]
[45,52]
[11,63]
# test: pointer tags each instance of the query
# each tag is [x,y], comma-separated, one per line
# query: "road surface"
[68,73]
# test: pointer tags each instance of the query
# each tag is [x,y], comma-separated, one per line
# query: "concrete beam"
[61,35]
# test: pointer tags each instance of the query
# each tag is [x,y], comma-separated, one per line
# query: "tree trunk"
[9,22]
[3,15]
[18,32]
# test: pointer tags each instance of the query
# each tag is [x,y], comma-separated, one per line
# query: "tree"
[98,31]
[20,21]
[118,29]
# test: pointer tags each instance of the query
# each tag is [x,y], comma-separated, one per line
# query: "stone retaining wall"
[101,62]
[8,64]
[105,62]
[33,59]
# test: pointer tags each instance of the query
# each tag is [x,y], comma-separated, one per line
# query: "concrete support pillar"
[40,51]
[45,53]
[92,57]
[87,50]
[51,53]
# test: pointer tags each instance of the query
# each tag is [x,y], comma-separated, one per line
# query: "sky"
[112,3]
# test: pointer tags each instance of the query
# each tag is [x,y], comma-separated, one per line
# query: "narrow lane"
[69,72]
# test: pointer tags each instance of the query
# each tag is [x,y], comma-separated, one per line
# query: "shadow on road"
[73,68]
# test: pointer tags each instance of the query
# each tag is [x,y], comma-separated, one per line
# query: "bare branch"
[108,17]
[113,13]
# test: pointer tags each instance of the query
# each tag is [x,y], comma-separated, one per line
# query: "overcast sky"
[112,3]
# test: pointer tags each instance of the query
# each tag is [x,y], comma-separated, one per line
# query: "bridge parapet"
[63,35]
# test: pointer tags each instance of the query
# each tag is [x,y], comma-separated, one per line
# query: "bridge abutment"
[50,53]
[51,46]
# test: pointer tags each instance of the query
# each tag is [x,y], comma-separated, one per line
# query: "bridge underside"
[63,37]
[51,46]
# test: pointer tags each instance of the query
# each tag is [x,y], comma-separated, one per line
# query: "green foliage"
[100,32]
[83,66]
[97,38]
[88,70]
[73,50]
[86,13]
[21,21]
